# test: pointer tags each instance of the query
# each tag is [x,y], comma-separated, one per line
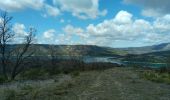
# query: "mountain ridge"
[94,50]
[148,49]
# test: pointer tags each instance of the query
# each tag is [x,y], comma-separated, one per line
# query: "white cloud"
[19,30]
[162,24]
[65,37]
[152,8]
[70,30]
[18,5]
[52,11]
[86,9]
[14,5]
[123,17]
[60,39]
[122,28]
[150,13]
[49,34]
[83,9]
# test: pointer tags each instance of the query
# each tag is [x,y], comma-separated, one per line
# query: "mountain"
[154,57]
[93,50]
[147,49]
[77,50]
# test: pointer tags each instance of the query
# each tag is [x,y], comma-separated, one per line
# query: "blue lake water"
[126,63]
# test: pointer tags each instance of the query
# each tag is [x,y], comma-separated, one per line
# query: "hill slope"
[147,49]
[93,50]
[74,50]
[117,83]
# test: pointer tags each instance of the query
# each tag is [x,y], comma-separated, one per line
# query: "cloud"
[67,36]
[118,28]
[162,24]
[152,8]
[52,11]
[70,30]
[49,34]
[123,17]
[86,9]
[18,5]
[15,5]
[122,29]
[151,13]
[83,9]
[19,30]
[130,29]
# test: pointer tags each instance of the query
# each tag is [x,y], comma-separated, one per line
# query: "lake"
[126,63]
[117,60]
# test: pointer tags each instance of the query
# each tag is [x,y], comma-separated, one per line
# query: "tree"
[5,37]
[20,52]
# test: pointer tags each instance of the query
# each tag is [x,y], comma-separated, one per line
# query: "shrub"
[10,94]
[156,76]
[75,73]
[26,87]
[164,70]
[2,79]
[34,73]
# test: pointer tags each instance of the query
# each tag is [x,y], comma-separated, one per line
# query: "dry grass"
[115,83]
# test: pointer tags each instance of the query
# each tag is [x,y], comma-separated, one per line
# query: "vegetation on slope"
[161,75]
[117,83]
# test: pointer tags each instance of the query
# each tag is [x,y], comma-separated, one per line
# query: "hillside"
[83,50]
[157,57]
[93,50]
[74,50]
[116,83]
[147,49]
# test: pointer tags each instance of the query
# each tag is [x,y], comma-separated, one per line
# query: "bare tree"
[6,36]
[22,53]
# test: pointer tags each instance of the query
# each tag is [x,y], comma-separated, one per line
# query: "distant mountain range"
[93,50]
[147,49]
[78,50]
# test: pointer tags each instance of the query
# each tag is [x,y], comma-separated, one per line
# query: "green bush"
[156,76]
[26,87]
[2,79]
[53,71]
[10,94]
[75,73]
[34,73]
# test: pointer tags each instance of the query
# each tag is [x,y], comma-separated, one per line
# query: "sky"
[111,23]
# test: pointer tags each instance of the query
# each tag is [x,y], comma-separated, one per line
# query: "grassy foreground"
[111,84]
